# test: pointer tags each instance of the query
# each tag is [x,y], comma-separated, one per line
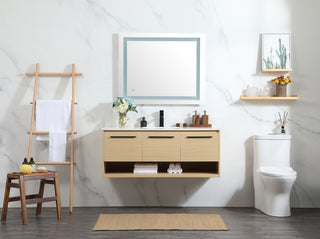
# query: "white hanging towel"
[54,116]
[57,146]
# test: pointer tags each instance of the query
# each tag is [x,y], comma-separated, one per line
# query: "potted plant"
[281,85]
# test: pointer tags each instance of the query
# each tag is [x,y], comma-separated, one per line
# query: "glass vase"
[123,120]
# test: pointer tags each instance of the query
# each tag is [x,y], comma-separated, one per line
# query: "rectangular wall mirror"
[160,68]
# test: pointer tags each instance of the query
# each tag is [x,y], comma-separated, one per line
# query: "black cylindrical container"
[161,122]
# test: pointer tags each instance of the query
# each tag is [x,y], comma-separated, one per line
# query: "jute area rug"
[160,222]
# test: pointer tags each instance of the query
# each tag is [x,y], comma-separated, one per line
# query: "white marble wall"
[58,33]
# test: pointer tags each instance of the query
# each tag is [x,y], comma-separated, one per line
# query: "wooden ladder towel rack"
[36,74]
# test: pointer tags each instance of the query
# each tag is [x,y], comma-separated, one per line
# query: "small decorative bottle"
[33,164]
[143,122]
[25,161]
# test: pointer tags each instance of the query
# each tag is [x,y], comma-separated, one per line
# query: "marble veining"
[60,33]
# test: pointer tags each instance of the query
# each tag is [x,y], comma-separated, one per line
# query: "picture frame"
[276,52]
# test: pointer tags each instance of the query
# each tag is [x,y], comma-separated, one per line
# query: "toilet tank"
[271,151]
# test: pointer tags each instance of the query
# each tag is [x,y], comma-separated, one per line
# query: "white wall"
[58,33]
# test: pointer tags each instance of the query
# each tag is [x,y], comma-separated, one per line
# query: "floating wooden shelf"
[276,70]
[289,97]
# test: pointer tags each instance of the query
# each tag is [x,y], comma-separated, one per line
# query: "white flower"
[122,108]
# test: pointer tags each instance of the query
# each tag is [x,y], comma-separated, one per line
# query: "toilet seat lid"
[278,171]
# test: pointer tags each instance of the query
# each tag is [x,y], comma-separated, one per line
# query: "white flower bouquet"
[123,105]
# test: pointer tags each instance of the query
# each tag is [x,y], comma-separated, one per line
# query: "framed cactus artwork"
[276,52]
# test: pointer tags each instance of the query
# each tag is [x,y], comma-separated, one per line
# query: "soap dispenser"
[195,119]
[205,119]
[143,122]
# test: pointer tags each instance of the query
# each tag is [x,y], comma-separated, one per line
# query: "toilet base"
[277,205]
[276,196]
[277,211]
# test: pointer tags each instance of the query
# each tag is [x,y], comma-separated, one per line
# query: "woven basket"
[281,90]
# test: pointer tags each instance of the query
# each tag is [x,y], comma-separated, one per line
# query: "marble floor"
[242,223]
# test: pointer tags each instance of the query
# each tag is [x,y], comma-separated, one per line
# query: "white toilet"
[273,177]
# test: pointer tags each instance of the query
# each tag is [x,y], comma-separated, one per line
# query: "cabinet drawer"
[161,146]
[122,146]
[199,146]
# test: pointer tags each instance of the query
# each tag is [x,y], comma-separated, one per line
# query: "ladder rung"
[31,103]
[54,163]
[47,132]
[52,74]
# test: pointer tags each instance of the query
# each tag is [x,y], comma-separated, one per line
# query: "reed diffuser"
[283,121]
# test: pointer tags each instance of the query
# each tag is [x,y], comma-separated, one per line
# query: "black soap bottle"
[161,122]
[143,122]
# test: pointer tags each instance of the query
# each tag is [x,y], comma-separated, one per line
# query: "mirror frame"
[120,67]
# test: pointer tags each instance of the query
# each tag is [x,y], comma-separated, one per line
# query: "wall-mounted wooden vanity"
[197,150]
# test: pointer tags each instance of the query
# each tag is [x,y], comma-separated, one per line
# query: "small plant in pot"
[281,85]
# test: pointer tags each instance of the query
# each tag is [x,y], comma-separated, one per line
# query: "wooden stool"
[50,177]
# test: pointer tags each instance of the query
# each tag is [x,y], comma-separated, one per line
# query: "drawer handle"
[123,137]
[161,137]
[200,137]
